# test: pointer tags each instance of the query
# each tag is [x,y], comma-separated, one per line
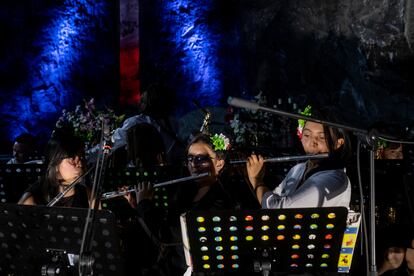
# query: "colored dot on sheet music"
[200,219]
[248,218]
[297,227]
[265,217]
[328,237]
[331,215]
[315,216]
[249,228]
[233,228]
[233,218]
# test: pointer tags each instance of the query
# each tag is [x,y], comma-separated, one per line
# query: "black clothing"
[79,199]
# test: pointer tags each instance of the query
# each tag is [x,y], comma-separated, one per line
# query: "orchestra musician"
[314,183]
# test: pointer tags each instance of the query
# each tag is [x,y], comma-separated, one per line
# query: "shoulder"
[27,199]
[298,169]
[337,176]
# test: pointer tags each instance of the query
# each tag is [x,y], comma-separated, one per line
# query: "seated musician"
[315,183]
[64,163]
[205,153]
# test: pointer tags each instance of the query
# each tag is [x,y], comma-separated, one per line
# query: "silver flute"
[286,158]
[114,194]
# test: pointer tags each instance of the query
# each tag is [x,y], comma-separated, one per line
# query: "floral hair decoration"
[301,123]
[220,142]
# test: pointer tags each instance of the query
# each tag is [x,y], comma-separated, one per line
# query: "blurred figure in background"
[24,149]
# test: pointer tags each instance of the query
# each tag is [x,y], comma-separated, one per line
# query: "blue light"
[59,41]
[200,43]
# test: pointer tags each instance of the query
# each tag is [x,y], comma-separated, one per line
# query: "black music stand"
[16,178]
[39,240]
[279,240]
[119,177]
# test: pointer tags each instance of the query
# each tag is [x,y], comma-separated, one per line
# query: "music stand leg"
[373,265]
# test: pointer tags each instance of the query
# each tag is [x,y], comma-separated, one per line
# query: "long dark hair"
[62,145]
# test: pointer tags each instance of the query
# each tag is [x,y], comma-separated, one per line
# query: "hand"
[144,190]
[255,169]
[129,197]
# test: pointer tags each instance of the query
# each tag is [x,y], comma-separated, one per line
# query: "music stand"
[16,178]
[278,240]
[39,240]
[119,177]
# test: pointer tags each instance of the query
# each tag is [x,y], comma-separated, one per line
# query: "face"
[69,169]
[21,152]
[201,158]
[395,256]
[393,153]
[313,138]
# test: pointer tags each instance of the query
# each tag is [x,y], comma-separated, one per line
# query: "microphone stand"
[86,259]
[368,137]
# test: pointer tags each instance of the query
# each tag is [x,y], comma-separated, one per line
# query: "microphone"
[237,102]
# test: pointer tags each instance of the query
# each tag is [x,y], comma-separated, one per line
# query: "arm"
[255,172]
[320,188]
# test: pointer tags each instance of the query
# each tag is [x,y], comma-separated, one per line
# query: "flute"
[286,158]
[114,194]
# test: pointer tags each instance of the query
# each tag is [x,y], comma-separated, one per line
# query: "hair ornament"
[220,142]
[301,122]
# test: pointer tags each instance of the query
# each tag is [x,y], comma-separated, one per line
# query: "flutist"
[314,183]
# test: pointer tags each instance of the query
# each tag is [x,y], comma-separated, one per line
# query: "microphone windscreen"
[237,102]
